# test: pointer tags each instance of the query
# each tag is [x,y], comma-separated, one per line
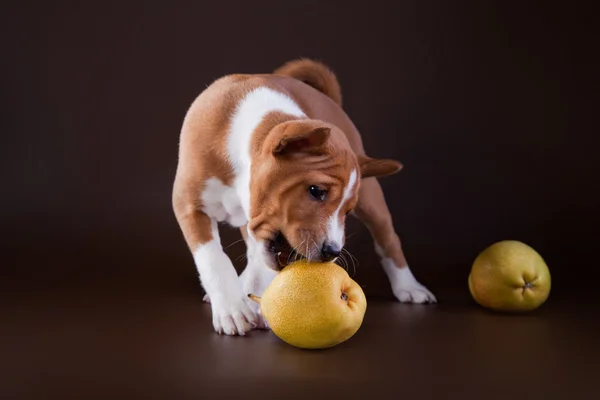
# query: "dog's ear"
[373,167]
[309,141]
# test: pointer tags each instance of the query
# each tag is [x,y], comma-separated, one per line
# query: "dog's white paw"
[405,286]
[255,279]
[413,293]
[233,317]
[262,322]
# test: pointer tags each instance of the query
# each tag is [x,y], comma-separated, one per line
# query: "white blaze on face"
[335,229]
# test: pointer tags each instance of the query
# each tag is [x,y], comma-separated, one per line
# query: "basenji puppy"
[277,156]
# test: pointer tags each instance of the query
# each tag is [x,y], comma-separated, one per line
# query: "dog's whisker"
[346,263]
[236,242]
[316,245]
[305,249]
[343,262]
[353,267]
[298,256]
[352,259]
[354,262]
[295,252]
[340,261]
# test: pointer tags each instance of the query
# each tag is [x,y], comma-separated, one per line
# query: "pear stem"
[254,298]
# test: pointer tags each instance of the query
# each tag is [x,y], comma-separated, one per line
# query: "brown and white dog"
[276,155]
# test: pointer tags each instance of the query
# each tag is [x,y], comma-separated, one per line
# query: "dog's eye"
[317,192]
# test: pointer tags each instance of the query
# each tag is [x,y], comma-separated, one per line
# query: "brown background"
[490,106]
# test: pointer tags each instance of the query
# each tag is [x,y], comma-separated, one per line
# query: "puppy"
[277,156]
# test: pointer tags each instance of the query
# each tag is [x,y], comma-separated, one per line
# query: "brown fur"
[279,196]
[328,144]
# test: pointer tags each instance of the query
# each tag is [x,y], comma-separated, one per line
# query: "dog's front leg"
[231,313]
[256,277]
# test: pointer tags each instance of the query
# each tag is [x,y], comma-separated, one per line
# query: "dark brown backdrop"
[490,106]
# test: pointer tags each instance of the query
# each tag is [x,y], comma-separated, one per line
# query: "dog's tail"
[315,74]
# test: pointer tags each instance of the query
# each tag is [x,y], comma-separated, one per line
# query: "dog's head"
[305,181]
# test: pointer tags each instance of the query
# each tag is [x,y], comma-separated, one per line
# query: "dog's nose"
[329,252]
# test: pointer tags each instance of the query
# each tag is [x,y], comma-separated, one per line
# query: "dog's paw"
[255,279]
[405,286]
[262,322]
[233,317]
[413,293]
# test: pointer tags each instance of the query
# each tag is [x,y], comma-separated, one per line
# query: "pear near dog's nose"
[329,252]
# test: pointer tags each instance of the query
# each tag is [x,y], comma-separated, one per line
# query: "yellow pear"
[313,305]
[510,276]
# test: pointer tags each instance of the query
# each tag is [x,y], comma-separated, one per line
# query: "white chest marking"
[248,115]
[335,230]
[221,203]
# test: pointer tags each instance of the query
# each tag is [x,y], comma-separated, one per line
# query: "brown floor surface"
[156,341]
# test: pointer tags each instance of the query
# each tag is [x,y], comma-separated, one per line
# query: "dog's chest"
[223,203]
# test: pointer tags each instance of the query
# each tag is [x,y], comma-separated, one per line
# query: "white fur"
[220,202]
[248,115]
[335,229]
[405,286]
[230,311]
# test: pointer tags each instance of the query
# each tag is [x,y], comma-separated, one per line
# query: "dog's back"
[310,84]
